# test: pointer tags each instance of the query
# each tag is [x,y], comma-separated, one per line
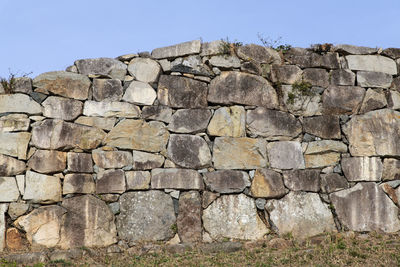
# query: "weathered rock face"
[3,209]
[333,182]
[189,151]
[138,135]
[137,180]
[10,166]
[146,216]
[101,123]
[79,162]
[182,92]
[158,113]
[182,49]
[146,161]
[42,225]
[8,189]
[391,169]
[111,159]
[374,79]
[228,121]
[110,109]
[342,99]
[225,61]
[140,93]
[242,88]
[233,216]
[355,50]
[176,179]
[365,207]
[301,214]
[285,155]
[258,53]
[252,153]
[67,84]
[373,100]
[272,124]
[89,222]
[107,89]
[14,144]
[362,169]
[267,184]
[302,180]
[40,188]
[19,103]
[48,161]
[144,69]
[372,63]
[227,181]
[110,181]
[14,240]
[189,120]
[14,123]
[316,77]
[342,77]
[62,108]
[326,126]
[287,74]
[16,209]
[189,217]
[81,183]
[375,133]
[323,153]
[57,134]
[103,66]
[300,104]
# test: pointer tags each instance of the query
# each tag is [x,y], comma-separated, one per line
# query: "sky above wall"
[47,35]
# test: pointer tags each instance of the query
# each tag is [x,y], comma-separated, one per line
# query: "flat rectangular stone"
[178,50]
[138,180]
[3,209]
[176,179]
[362,168]
[14,123]
[14,144]
[372,63]
[110,109]
[98,122]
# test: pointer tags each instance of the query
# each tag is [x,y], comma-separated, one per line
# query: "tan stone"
[42,188]
[98,122]
[48,161]
[267,184]
[176,179]
[110,181]
[111,159]
[110,109]
[358,169]
[14,144]
[14,240]
[81,183]
[228,121]
[322,160]
[137,180]
[10,166]
[19,103]
[62,108]
[8,189]
[138,135]
[391,169]
[14,123]
[146,161]
[325,146]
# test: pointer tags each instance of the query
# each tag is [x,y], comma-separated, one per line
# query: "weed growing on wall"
[274,44]
[228,47]
[300,90]
[8,84]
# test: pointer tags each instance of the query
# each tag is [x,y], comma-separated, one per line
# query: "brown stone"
[182,92]
[316,77]
[176,179]
[189,217]
[190,120]
[48,161]
[287,74]
[374,99]
[302,180]
[391,169]
[146,161]
[79,162]
[81,183]
[258,53]
[137,180]
[342,99]
[15,240]
[267,184]
[208,198]
[333,182]
[10,166]
[110,181]
[111,159]
[227,181]
[326,126]
[107,89]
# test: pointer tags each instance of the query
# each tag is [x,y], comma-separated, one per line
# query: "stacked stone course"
[194,145]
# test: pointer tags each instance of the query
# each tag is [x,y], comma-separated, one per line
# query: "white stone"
[110,109]
[14,144]
[140,93]
[42,188]
[3,209]
[8,189]
[14,122]
[144,69]
[21,183]
[182,49]
[19,103]
[98,122]
[286,155]
[372,63]
[225,61]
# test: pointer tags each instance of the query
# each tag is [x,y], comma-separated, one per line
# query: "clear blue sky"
[45,35]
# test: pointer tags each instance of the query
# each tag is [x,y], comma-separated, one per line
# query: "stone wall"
[199,143]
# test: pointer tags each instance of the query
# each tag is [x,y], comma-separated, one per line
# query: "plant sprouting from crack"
[300,90]
[9,83]
[228,47]
[274,44]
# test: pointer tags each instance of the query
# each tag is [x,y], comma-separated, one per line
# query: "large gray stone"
[267,184]
[300,214]
[234,87]
[103,66]
[372,63]
[144,69]
[88,223]
[17,209]
[305,58]
[78,183]
[365,207]
[178,50]
[10,166]
[287,74]
[333,182]
[302,180]
[68,84]
[227,181]
[40,188]
[79,162]
[391,169]
[8,189]
[48,161]
[301,104]
[316,77]
[326,126]
[192,65]
[58,134]
[158,113]
[146,161]
[107,89]
[14,144]
[285,155]
[140,93]
[252,151]
[185,179]
[392,52]
[342,99]
[111,159]
[211,48]
[190,120]
[342,77]
[272,124]
[355,50]
[19,103]
[189,217]
[98,122]
[182,92]
[138,135]
[14,123]
[374,79]
[22,85]
[234,216]
[375,133]
[146,216]
[189,151]
[110,109]
[259,54]
[62,108]
[374,99]
[110,181]
[358,169]
[225,61]
[228,121]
